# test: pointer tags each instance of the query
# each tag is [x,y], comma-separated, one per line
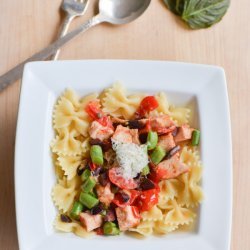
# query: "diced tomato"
[134,195]
[99,231]
[92,166]
[94,110]
[119,201]
[117,179]
[148,104]
[157,174]
[147,199]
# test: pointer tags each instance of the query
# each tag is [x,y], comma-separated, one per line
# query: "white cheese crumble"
[132,158]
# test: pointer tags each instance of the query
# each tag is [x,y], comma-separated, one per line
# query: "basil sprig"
[199,13]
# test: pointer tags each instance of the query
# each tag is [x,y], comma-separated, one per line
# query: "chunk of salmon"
[122,134]
[135,136]
[127,217]
[184,133]
[90,221]
[166,142]
[162,124]
[171,168]
[104,194]
[98,131]
[126,135]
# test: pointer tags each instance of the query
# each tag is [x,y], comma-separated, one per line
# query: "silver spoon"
[111,11]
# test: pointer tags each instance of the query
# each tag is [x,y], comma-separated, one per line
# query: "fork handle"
[65,26]
[16,73]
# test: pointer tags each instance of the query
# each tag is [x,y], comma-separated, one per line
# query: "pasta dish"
[124,163]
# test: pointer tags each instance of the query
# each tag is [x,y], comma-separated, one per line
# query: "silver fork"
[72,9]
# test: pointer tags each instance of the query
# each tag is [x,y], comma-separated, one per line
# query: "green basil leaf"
[176,6]
[199,13]
[204,13]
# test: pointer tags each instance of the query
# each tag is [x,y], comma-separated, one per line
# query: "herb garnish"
[199,13]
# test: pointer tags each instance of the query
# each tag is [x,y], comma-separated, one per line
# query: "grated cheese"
[132,158]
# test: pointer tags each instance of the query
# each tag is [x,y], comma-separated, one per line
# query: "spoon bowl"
[122,11]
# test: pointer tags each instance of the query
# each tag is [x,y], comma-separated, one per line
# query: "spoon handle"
[16,73]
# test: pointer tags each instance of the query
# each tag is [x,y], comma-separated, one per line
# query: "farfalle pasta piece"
[191,193]
[58,170]
[170,188]
[145,228]
[180,115]
[69,165]
[162,201]
[66,143]
[71,95]
[163,107]
[85,147]
[63,182]
[86,99]
[154,214]
[74,227]
[178,215]
[190,157]
[69,112]
[63,197]
[74,183]
[116,103]
[162,228]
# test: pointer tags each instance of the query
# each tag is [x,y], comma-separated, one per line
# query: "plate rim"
[30,66]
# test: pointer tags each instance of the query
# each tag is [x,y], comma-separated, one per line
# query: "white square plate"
[202,86]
